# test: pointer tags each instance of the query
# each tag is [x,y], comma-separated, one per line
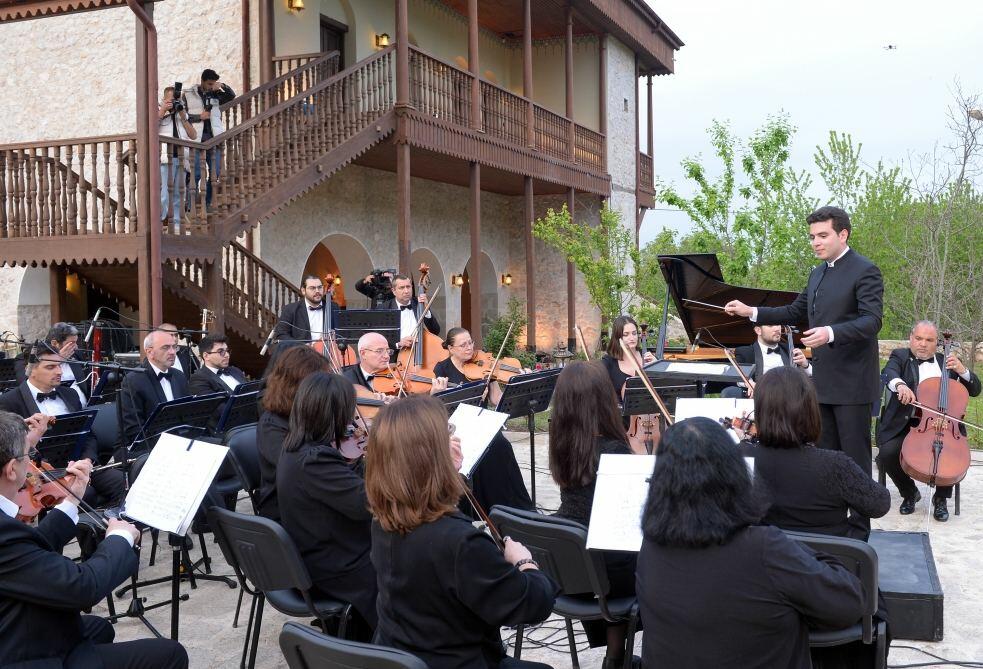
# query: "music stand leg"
[531,421]
[176,554]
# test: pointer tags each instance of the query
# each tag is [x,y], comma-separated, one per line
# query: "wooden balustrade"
[589,148]
[503,114]
[253,290]
[84,186]
[440,89]
[646,174]
[552,133]
[284,64]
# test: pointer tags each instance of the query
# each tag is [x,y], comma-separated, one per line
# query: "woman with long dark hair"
[323,506]
[445,588]
[584,424]
[624,329]
[715,588]
[291,367]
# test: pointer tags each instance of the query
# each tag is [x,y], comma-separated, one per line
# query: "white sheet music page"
[712,407]
[476,428]
[173,483]
[619,498]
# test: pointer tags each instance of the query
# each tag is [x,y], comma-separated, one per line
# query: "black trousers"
[889,460]
[846,427]
[138,654]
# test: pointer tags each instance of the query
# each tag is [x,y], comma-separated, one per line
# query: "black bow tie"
[920,361]
[405,306]
[220,372]
[773,350]
[317,308]
[53,395]
[164,375]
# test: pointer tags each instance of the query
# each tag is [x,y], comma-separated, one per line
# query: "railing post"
[215,283]
[402,54]
[530,265]
[571,130]
[473,64]
[527,72]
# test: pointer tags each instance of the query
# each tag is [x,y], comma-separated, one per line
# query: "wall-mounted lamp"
[457,280]
[506,279]
[295,5]
[382,41]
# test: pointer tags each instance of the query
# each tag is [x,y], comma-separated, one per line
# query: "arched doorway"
[344,257]
[489,294]
[437,278]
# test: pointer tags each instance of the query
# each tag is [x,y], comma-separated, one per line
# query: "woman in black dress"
[290,368]
[715,588]
[619,369]
[497,479]
[445,588]
[584,424]
[323,506]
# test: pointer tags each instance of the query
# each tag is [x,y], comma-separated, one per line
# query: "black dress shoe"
[908,504]
[619,662]
[940,512]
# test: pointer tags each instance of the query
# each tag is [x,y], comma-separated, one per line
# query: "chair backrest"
[105,428]
[259,549]
[304,648]
[858,557]
[244,453]
[559,546]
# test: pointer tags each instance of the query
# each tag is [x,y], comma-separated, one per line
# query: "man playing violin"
[373,355]
[766,353]
[408,312]
[42,592]
[905,369]
[43,393]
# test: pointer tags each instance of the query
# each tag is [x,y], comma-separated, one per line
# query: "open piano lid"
[697,276]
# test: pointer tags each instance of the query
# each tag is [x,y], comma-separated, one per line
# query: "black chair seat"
[291,602]
[846,635]
[304,647]
[588,609]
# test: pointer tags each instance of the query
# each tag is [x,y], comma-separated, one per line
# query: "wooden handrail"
[273,83]
[298,56]
[252,256]
[74,141]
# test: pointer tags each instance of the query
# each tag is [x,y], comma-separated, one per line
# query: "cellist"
[905,369]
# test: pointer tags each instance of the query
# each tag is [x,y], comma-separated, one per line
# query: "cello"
[413,369]
[935,451]
[643,429]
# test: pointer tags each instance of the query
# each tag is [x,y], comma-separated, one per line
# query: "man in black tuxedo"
[42,592]
[64,337]
[409,311]
[158,382]
[905,369]
[308,319]
[217,375]
[43,393]
[185,362]
[373,356]
[766,353]
[843,301]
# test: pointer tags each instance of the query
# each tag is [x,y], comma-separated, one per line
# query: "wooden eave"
[54,250]
[24,10]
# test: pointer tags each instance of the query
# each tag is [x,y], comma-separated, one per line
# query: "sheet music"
[476,427]
[173,483]
[698,368]
[619,498]
[712,407]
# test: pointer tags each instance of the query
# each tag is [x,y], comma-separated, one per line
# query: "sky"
[823,63]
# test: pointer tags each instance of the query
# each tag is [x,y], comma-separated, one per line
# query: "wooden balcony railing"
[81,186]
[253,290]
[646,175]
[443,91]
[294,74]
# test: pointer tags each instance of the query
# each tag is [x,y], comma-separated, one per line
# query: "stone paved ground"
[206,618]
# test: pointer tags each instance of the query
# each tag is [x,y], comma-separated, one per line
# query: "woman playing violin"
[619,369]
[460,346]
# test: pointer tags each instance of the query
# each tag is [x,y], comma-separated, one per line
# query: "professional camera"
[177,105]
[381,281]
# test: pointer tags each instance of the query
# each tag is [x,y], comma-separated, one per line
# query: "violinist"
[766,353]
[43,393]
[374,355]
[42,592]
[322,498]
[905,369]
[445,588]
[460,347]
[408,311]
[619,369]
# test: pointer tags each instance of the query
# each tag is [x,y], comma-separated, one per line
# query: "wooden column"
[57,295]
[267,44]
[530,266]
[651,141]
[474,276]
[473,64]
[246,48]
[569,78]
[602,93]
[571,281]
[403,205]
[149,276]
[527,72]
[216,293]
[402,54]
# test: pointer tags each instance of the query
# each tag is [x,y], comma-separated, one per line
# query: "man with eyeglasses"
[216,375]
[43,592]
[158,382]
[374,355]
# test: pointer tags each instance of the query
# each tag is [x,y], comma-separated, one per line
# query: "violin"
[643,429]
[745,424]
[397,381]
[481,364]
[935,451]
[41,490]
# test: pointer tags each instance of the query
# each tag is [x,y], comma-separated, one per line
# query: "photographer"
[377,286]
[173,122]
[204,108]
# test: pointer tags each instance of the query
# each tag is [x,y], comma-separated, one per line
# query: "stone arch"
[343,256]
[489,293]
[437,278]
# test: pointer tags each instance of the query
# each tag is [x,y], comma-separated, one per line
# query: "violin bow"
[740,372]
[491,372]
[645,381]
[580,338]
[492,530]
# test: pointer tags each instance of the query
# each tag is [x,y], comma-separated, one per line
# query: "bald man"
[374,359]
[159,382]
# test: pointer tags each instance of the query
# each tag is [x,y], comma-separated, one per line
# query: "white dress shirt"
[164,383]
[769,361]
[177,364]
[316,319]
[926,370]
[55,407]
[407,320]
[68,375]
[225,378]
[68,508]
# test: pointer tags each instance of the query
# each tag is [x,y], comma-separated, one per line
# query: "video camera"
[380,279]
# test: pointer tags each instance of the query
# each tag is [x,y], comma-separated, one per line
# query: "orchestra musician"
[445,588]
[322,499]
[43,393]
[905,369]
[843,301]
[307,319]
[289,369]
[158,382]
[584,424]
[620,370]
[184,362]
[43,592]
[402,299]
[63,338]
[497,479]
[766,353]
[373,355]
[217,375]
[716,588]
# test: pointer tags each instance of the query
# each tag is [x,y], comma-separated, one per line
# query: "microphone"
[92,325]
[268,341]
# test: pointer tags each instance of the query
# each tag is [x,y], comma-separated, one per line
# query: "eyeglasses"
[33,454]
[220,351]
[464,344]
[379,351]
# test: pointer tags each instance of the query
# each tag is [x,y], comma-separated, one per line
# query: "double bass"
[413,371]
[935,451]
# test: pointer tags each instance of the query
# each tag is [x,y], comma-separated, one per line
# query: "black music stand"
[8,373]
[353,323]
[182,415]
[526,395]
[466,393]
[241,409]
[62,442]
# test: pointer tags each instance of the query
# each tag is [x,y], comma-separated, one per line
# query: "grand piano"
[693,281]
